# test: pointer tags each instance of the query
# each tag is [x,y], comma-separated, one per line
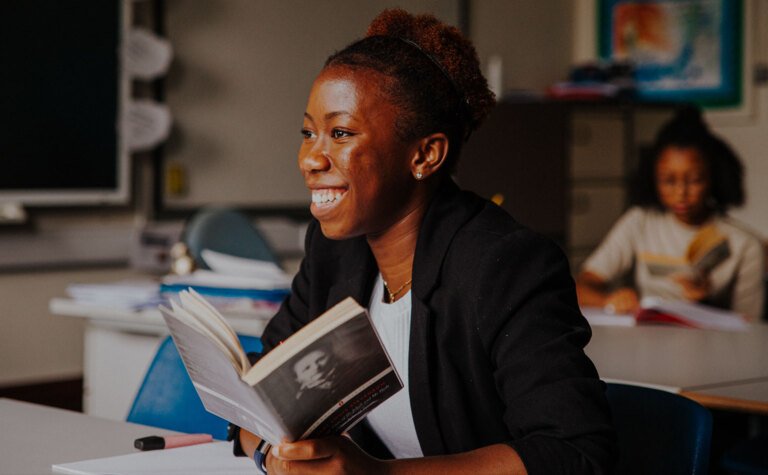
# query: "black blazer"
[496,346]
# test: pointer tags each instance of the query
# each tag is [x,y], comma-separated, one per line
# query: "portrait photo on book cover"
[326,372]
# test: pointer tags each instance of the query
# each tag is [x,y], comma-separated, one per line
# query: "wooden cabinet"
[562,168]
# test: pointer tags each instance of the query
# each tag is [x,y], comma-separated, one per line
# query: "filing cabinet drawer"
[597,146]
[594,209]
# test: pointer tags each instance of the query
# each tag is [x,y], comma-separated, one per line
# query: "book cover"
[320,381]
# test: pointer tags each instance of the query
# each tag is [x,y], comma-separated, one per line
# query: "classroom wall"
[531,37]
[239,84]
[749,134]
[36,346]
[751,143]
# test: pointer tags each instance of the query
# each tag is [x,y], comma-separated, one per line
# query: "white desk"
[33,437]
[687,361]
[119,346]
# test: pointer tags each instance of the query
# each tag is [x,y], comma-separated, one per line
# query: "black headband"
[463,105]
[436,63]
[463,111]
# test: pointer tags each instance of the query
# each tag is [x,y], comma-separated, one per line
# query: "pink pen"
[155,442]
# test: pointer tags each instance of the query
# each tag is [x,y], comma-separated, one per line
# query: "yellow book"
[708,248]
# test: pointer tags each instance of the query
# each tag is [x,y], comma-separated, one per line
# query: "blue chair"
[227,231]
[168,399]
[749,457]
[659,432]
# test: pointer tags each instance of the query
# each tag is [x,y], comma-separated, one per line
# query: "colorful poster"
[680,50]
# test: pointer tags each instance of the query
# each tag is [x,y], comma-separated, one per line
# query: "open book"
[707,249]
[320,381]
[673,312]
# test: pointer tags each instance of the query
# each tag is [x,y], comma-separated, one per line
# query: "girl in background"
[686,186]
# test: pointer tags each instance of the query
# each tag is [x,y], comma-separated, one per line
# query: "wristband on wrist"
[260,455]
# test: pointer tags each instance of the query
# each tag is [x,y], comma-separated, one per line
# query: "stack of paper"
[235,285]
[215,458]
[128,294]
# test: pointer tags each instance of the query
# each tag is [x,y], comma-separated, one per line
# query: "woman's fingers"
[327,455]
[311,449]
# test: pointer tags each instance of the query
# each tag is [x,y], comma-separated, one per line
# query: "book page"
[182,315]
[697,315]
[215,322]
[597,316]
[214,458]
[662,265]
[219,385]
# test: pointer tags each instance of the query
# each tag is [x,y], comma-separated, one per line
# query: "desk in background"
[748,397]
[119,346]
[724,370]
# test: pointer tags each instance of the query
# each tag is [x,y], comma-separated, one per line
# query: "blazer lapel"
[421,387]
[358,271]
[448,212]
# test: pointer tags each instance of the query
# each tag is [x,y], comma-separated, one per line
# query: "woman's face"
[352,160]
[683,183]
[310,369]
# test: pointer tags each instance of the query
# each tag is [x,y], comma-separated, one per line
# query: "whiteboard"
[238,88]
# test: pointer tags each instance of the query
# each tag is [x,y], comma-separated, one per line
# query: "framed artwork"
[682,50]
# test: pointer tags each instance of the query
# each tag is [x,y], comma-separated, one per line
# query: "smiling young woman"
[478,314]
[356,167]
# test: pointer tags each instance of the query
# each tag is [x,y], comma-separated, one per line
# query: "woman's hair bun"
[392,22]
[448,46]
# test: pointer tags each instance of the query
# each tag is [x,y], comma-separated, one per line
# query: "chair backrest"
[227,231]
[168,399]
[659,431]
[747,457]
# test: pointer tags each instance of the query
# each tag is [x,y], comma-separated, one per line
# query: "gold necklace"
[392,295]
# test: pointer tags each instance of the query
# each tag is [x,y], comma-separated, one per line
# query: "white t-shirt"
[737,282]
[393,419]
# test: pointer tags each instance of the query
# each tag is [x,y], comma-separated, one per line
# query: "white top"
[393,419]
[737,283]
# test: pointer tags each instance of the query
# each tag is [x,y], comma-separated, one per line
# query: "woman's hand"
[622,300]
[336,454]
[249,442]
[695,288]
